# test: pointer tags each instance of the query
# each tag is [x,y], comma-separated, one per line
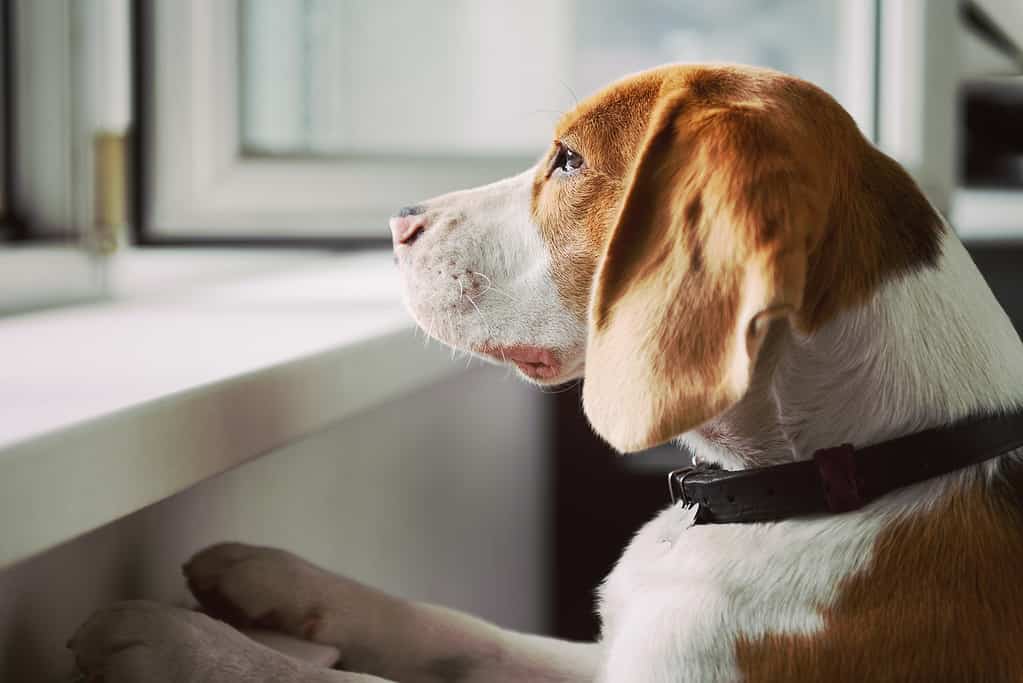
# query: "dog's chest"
[682,596]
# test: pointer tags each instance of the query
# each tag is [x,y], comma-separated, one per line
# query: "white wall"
[439,496]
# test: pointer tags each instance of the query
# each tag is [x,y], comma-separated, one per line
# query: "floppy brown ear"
[709,247]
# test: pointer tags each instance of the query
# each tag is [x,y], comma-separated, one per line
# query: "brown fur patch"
[877,217]
[746,193]
[941,600]
[678,288]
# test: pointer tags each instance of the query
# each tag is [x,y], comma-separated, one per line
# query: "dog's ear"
[710,246]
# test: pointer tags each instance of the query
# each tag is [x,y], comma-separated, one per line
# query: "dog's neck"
[929,348]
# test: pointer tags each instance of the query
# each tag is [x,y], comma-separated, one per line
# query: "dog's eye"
[566,160]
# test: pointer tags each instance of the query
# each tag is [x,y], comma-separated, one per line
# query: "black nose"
[410,211]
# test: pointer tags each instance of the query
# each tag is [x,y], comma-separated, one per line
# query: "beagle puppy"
[730,265]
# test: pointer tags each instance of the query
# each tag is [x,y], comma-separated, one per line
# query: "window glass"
[405,78]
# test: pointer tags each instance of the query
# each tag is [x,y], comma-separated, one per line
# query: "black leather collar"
[843,478]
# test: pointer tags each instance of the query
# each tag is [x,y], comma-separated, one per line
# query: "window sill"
[988,215]
[109,407]
[35,277]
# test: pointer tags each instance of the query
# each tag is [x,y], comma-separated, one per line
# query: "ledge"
[988,215]
[110,407]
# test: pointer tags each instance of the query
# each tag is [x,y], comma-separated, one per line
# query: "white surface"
[439,495]
[110,407]
[33,277]
[986,215]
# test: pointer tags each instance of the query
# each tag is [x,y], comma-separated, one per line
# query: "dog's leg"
[145,642]
[375,632]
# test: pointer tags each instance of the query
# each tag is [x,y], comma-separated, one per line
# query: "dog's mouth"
[534,362]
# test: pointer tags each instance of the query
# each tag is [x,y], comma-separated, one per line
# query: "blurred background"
[152,148]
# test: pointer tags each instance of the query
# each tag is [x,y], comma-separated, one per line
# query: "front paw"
[138,641]
[263,587]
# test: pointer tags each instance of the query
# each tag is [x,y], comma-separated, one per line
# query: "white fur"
[687,592]
[932,348]
[480,274]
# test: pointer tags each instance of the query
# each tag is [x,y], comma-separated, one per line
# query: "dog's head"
[676,215]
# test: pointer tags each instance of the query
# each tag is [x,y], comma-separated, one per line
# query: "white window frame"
[52,130]
[5,94]
[45,121]
[200,186]
[920,72]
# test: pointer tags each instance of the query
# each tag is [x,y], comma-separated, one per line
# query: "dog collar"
[842,478]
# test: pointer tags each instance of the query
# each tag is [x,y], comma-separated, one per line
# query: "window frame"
[207,191]
[42,264]
[70,49]
[51,258]
[918,48]
[44,124]
[8,229]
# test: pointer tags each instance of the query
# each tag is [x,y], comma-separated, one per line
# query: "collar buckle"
[677,484]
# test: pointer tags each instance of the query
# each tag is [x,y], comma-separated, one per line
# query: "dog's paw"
[136,642]
[263,587]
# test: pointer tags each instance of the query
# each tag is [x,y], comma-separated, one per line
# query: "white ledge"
[107,408]
[985,215]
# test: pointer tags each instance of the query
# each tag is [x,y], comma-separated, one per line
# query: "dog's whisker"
[486,325]
[571,92]
[492,287]
[429,331]
[490,283]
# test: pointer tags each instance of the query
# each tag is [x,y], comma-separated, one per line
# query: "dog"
[730,265]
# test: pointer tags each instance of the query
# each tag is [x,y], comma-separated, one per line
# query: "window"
[311,121]
[316,119]
[481,77]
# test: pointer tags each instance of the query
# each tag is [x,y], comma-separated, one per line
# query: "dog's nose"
[408,225]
